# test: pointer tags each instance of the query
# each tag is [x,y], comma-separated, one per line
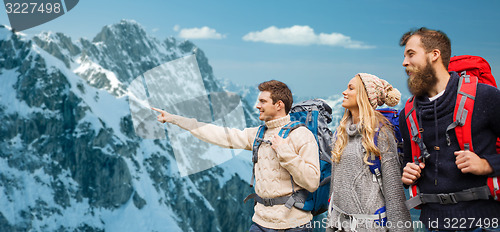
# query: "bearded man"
[448,171]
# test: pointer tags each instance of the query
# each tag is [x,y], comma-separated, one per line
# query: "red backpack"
[473,70]
[474,66]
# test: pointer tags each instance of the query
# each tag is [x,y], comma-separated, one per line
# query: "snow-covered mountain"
[69,157]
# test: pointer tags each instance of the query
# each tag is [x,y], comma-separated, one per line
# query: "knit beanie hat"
[379,91]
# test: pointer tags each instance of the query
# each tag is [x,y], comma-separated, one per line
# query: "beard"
[420,82]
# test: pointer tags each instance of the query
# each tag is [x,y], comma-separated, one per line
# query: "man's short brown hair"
[431,39]
[279,92]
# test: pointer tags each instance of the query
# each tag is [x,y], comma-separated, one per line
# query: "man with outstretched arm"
[286,166]
[452,182]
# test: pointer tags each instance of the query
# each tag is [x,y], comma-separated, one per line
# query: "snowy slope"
[69,156]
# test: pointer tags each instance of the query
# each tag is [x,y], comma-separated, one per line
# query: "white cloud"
[200,33]
[177,27]
[303,35]
[296,35]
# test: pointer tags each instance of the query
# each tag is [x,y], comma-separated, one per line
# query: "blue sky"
[247,39]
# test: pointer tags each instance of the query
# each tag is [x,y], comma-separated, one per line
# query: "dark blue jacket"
[441,174]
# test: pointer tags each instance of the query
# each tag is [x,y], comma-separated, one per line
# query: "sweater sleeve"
[393,190]
[300,158]
[492,97]
[217,135]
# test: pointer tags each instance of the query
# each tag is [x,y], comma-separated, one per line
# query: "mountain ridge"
[71,157]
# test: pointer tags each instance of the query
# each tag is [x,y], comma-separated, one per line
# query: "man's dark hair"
[431,40]
[279,91]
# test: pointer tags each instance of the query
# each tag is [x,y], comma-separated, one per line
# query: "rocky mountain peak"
[123,29]
[69,157]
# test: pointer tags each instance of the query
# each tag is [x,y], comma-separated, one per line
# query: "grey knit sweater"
[356,192]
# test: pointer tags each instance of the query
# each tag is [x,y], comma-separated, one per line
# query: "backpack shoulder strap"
[259,138]
[417,144]
[464,107]
[376,164]
[285,130]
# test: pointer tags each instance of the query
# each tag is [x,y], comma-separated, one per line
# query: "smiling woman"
[365,138]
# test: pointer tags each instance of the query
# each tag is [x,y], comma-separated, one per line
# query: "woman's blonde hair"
[370,121]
